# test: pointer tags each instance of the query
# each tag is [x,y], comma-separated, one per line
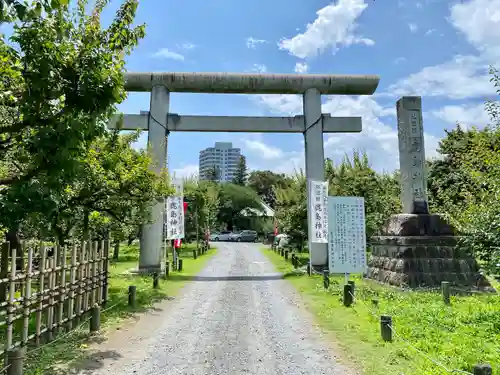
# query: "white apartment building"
[223,157]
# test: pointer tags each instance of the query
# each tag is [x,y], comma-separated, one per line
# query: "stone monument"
[418,248]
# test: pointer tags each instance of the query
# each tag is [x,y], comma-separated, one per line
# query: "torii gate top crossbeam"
[241,83]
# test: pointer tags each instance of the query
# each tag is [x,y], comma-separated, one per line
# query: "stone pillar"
[151,253]
[417,248]
[315,165]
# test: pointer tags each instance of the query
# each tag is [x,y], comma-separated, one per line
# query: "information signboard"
[347,235]
[318,230]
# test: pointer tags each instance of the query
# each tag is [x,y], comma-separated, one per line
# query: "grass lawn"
[70,347]
[457,336]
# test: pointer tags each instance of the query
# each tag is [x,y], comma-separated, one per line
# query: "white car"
[222,236]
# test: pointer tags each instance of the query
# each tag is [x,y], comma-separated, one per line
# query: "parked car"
[221,236]
[244,236]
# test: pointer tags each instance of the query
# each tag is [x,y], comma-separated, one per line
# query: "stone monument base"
[421,250]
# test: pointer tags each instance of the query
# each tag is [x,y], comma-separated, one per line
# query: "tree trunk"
[116,250]
[86,236]
[12,236]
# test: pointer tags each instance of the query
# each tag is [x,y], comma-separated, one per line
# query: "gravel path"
[239,317]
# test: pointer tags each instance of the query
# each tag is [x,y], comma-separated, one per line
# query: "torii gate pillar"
[159,122]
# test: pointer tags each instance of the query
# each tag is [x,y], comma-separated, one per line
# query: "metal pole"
[315,165]
[151,240]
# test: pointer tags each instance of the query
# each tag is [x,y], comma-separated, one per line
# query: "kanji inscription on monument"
[412,155]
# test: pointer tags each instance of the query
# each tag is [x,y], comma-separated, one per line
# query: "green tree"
[265,182]
[355,177]
[61,76]
[291,209]
[213,174]
[233,200]
[241,175]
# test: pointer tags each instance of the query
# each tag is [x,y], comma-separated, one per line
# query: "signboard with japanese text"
[174,218]
[174,212]
[347,237]
[318,231]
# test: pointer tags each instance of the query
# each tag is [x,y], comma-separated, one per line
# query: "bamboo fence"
[47,290]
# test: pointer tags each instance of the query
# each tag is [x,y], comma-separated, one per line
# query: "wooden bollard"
[179,267]
[15,361]
[347,297]
[195,255]
[482,369]
[132,295]
[294,261]
[95,319]
[156,281]
[309,269]
[386,328]
[326,279]
[445,290]
[286,254]
[352,284]
[167,270]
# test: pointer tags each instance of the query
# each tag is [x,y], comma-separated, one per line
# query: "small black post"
[156,281]
[347,297]
[286,254]
[167,269]
[326,279]
[132,294]
[352,284]
[386,328]
[482,369]
[15,361]
[195,255]
[309,269]
[179,268]
[95,319]
[445,290]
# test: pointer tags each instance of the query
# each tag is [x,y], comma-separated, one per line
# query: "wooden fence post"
[386,328]
[15,361]
[132,293]
[347,297]
[179,266]
[105,271]
[482,369]
[95,318]
[445,290]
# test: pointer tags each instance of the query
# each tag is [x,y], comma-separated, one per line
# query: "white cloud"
[189,170]
[167,54]
[263,150]
[187,46]
[259,68]
[479,21]
[413,27]
[301,67]
[400,60]
[466,115]
[334,27]
[252,43]
[378,138]
[429,32]
[462,76]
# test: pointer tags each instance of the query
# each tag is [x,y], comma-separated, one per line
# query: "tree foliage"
[241,175]
[61,76]
[264,184]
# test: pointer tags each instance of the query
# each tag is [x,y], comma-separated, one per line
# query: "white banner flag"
[175,218]
[318,226]
[347,245]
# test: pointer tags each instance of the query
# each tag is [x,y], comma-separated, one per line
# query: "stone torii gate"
[159,123]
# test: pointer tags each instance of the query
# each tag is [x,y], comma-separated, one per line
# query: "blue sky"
[437,49]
